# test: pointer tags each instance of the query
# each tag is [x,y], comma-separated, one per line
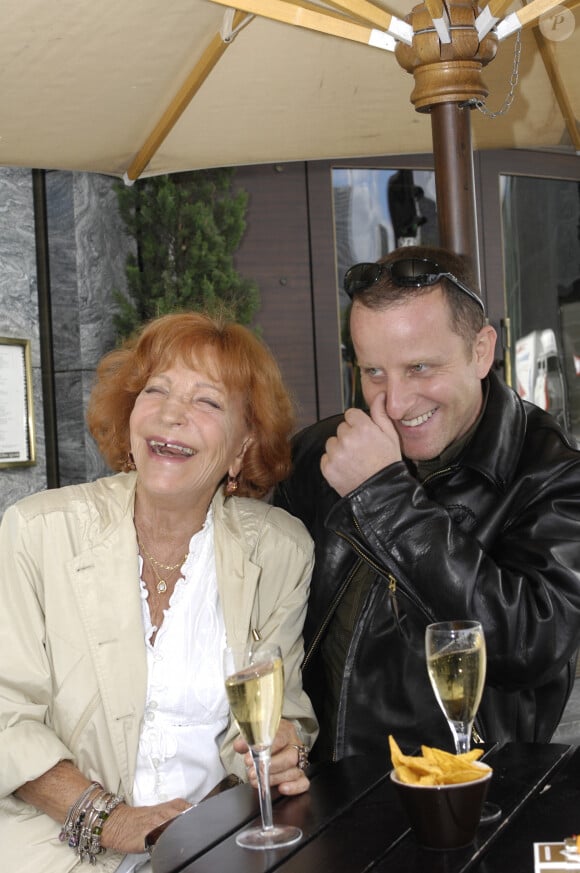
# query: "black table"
[353,821]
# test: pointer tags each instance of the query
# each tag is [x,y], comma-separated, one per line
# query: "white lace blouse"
[186,710]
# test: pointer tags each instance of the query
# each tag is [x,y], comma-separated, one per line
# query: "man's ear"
[484,350]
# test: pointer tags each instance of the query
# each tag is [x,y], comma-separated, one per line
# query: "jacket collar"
[497,443]
[237,573]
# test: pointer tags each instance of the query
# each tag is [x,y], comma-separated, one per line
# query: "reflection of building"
[542,268]
[403,199]
[341,197]
[361,235]
[539,376]
[376,210]
[570,318]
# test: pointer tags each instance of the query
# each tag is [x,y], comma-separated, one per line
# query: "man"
[451,498]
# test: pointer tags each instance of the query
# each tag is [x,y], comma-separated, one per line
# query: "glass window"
[541,244]
[375,211]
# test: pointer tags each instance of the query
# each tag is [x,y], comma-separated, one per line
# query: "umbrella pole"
[454,180]
[448,78]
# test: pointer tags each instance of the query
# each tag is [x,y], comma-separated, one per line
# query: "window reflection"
[541,241]
[375,211]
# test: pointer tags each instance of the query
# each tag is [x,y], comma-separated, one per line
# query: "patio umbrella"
[146,87]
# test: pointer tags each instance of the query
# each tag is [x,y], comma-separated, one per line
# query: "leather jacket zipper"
[326,621]
[393,597]
[391,579]
[437,473]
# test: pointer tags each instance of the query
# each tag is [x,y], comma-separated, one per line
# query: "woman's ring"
[302,750]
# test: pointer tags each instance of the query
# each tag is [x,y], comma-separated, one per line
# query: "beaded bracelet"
[85,820]
[92,827]
[69,830]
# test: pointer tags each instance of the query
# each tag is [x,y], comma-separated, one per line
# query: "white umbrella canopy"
[144,87]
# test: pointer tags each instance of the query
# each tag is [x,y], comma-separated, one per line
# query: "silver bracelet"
[85,820]
[70,828]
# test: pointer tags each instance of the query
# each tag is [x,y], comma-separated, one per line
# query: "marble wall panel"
[60,216]
[102,248]
[95,466]
[19,314]
[87,253]
[88,250]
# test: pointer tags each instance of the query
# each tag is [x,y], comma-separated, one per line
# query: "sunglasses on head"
[406,273]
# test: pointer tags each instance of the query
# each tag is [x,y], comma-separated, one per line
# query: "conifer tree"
[186,227]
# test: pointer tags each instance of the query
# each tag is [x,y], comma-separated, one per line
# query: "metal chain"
[479,104]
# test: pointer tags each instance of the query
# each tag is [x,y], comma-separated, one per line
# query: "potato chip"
[405,774]
[447,761]
[435,766]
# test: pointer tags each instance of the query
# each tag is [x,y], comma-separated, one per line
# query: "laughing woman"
[118,597]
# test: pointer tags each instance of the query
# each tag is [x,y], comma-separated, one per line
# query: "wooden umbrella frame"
[444,45]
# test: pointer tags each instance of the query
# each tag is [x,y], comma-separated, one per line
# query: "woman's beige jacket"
[72,653]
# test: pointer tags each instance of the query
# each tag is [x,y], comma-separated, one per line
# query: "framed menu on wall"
[17,438]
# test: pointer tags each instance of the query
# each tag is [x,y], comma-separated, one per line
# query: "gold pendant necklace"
[161,586]
[157,563]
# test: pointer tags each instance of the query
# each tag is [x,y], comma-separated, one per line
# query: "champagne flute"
[254,677]
[456,662]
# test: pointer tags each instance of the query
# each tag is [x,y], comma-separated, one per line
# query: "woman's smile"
[170,449]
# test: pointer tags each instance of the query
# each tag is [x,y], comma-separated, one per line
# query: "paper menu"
[554,858]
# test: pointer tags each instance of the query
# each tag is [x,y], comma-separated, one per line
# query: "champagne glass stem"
[461,731]
[261,758]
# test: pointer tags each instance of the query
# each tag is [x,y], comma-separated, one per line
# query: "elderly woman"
[118,597]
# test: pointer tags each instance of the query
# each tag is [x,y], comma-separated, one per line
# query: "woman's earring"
[232,485]
[130,462]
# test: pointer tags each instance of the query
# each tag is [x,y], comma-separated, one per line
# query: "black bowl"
[444,816]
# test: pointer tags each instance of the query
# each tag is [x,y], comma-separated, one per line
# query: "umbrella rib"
[498,7]
[361,9]
[310,17]
[180,102]
[440,18]
[556,81]
[489,16]
[525,17]
[532,11]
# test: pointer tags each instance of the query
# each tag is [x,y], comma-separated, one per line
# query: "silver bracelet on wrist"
[85,820]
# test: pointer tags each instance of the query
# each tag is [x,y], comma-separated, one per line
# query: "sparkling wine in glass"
[254,677]
[456,662]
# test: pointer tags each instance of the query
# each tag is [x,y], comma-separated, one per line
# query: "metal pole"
[45,328]
[454,180]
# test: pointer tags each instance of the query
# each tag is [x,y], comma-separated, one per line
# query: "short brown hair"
[225,350]
[467,317]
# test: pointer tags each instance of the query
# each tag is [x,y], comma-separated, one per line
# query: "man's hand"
[284,770]
[363,445]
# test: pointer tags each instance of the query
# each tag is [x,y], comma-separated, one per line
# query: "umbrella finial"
[446,72]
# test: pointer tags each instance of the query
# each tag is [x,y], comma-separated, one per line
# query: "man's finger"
[378,410]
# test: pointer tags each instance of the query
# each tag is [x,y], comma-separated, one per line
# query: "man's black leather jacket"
[494,537]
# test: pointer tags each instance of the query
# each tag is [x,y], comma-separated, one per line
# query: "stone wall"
[19,314]
[87,252]
[88,249]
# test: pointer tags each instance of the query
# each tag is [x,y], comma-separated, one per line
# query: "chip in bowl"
[435,766]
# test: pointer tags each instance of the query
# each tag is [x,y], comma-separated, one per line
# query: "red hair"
[226,351]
